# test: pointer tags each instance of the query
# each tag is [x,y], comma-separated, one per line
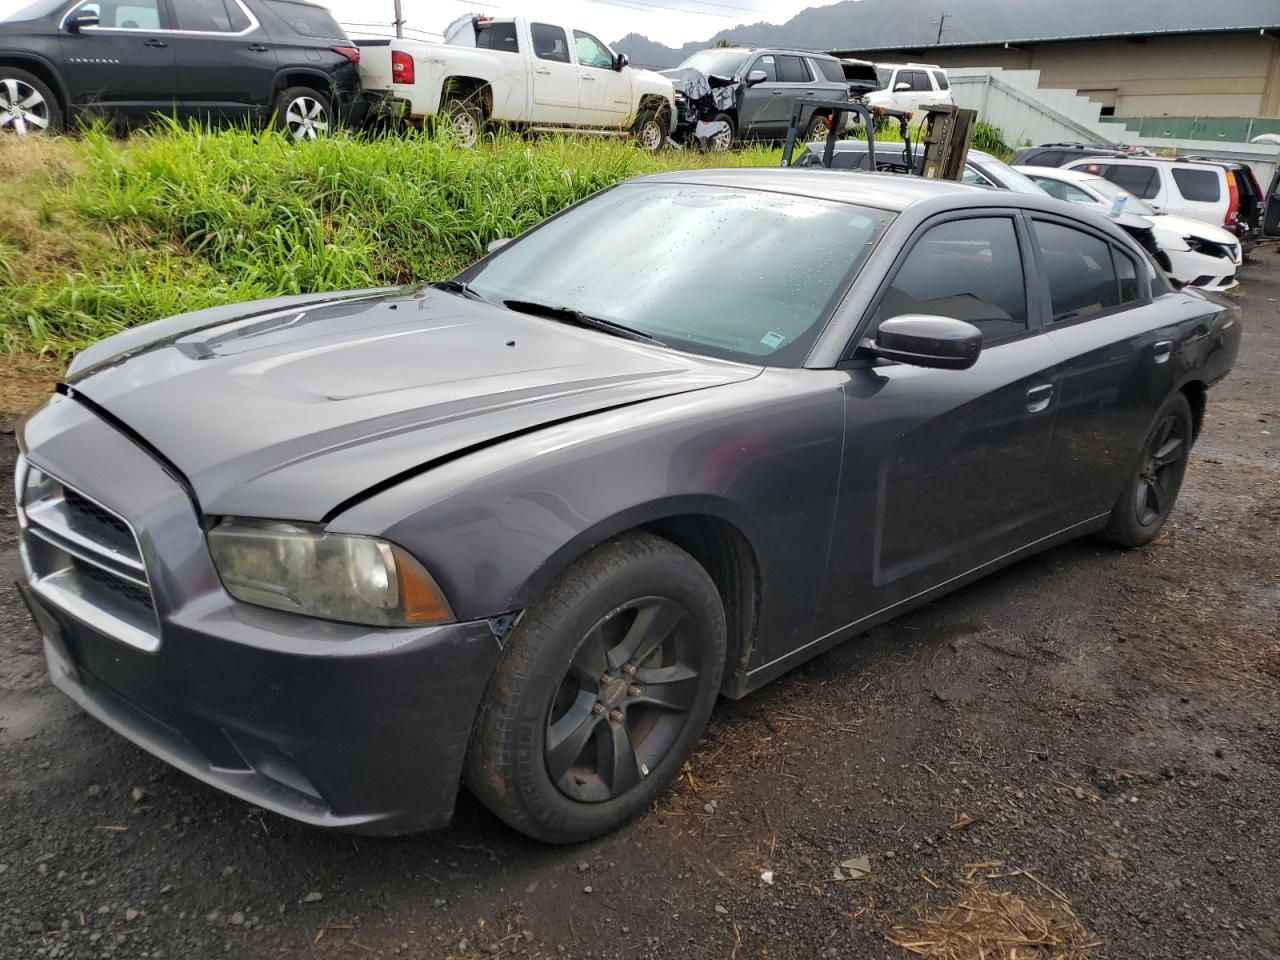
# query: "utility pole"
[942,19]
[400,22]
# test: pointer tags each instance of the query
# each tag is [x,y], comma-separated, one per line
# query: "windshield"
[17,10]
[725,62]
[1005,176]
[738,274]
[1109,191]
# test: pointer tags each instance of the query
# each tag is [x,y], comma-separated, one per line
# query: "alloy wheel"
[721,141]
[624,701]
[23,109]
[306,118]
[1161,472]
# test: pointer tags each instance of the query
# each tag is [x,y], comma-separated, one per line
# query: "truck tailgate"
[375,64]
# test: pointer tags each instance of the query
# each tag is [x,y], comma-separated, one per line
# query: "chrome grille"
[84,559]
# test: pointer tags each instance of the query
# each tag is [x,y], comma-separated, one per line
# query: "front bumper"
[333,724]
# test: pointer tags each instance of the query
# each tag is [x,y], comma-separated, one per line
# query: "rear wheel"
[464,119]
[27,106]
[1148,497]
[303,113]
[818,128]
[602,692]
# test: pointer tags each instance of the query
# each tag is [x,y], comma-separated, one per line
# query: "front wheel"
[602,692]
[649,130]
[27,106]
[1148,497]
[302,113]
[818,128]
[723,139]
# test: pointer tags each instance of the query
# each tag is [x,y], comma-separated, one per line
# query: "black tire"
[818,127]
[547,705]
[303,113]
[37,110]
[464,119]
[722,142]
[649,131]
[1152,488]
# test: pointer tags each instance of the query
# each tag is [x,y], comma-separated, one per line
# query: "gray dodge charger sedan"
[337,554]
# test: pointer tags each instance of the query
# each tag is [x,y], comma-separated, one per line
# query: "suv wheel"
[303,113]
[602,692]
[649,131]
[724,139]
[27,106]
[819,126]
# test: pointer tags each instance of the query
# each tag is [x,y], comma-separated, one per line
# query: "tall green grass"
[180,218]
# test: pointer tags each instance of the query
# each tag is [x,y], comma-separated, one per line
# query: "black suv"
[203,59]
[1060,154]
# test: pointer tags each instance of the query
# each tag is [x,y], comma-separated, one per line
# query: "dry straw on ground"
[997,914]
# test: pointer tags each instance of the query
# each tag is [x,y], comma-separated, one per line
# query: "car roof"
[786,50]
[884,191]
[1143,161]
[912,63]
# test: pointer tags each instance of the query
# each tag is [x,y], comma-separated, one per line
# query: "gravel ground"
[1105,722]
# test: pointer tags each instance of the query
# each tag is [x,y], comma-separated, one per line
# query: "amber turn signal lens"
[420,599]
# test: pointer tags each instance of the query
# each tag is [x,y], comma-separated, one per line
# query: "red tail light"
[1233,201]
[351,53]
[401,67]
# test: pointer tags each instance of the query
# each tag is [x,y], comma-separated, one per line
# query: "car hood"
[290,408]
[1190,227]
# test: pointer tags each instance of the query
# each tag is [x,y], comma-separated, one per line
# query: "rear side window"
[793,70]
[549,43]
[1079,270]
[918,79]
[307,20]
[1198,186]
[830,70]
[970,270]
[940,79]
[214,16]
[497,36]
[1141,181]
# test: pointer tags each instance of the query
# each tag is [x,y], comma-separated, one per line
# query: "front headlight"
[337,576]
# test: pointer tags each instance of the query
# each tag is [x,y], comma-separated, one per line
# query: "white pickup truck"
[536,75]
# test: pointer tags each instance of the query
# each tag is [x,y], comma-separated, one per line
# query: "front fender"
[18,55]
[496,527]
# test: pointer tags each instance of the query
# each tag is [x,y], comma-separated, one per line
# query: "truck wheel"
[302,113]
[1148,496]
[649,131]
[27,106]
[602,692]
[464,119]
[724,139]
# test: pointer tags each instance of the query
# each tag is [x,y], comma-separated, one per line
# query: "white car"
[541,76]
[1200,254]
[910,86]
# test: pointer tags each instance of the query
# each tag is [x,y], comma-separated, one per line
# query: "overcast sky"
[672,22]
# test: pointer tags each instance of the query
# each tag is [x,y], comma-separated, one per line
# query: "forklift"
[945,143]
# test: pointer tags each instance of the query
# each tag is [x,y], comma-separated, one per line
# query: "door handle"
[545,71]
[587,76]
[1038,397]
[777,93]
[154,42]
[259,47]
[1162,351]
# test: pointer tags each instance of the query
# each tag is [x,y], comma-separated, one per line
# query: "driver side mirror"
[620,61]
[925,341]
[497,244]
[81,20]
[756,76]
[901,86]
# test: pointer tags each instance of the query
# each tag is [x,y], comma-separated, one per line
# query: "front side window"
[210,16]
[768,64]
[793,70]
[1127,274]
[549,43]
[1109,191]
[743,275]
[1198,186]
[1063,190]
[130,15]
[1079,271]
[1137,179]
[916,79]
[591,52]
[973,176]
[968,270]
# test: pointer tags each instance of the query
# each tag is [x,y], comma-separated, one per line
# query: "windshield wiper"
[580,319]
[459,287]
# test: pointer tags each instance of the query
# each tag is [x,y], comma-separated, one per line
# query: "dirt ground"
[1080,754]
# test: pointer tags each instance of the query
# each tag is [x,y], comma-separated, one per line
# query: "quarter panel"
[497,526]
